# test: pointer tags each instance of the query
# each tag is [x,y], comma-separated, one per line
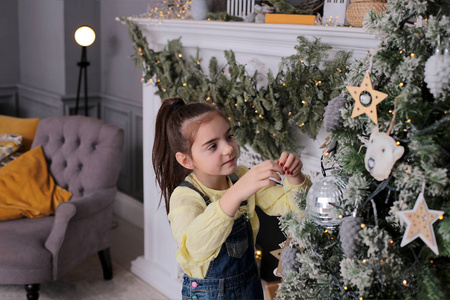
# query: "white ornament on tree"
[382,153]
[437,72]
[419,221]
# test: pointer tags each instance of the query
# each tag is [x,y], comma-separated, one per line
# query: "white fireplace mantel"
[266,42]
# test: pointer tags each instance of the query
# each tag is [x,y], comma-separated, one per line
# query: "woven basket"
[357,10]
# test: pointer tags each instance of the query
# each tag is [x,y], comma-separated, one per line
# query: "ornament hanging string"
[394,113]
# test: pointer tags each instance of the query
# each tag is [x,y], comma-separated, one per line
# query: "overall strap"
[233,177]
[190,185]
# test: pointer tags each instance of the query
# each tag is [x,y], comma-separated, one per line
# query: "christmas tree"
[377,226]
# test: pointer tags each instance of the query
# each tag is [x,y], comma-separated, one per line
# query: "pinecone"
[437,74]
[332,116]
[349,236]
[288,259]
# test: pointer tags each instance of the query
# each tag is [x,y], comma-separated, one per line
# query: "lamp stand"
[83,64]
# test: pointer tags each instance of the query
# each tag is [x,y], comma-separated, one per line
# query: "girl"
[211,201]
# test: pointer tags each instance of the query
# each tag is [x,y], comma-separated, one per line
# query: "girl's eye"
[212,147]
[230,136]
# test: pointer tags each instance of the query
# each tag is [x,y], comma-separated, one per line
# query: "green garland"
[262,118]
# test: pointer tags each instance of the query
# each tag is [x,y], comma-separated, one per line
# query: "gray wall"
[9,57]
[121,89]
[9,44]
[41,39]
[39,72]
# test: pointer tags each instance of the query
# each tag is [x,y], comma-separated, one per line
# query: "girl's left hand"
[292,166]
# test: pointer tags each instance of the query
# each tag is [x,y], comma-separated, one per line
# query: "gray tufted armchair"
[83,155]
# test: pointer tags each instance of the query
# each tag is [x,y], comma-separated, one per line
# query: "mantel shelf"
[264,39]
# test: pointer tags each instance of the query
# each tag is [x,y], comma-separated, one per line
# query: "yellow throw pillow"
[20,126]
[27,189]
[9,143]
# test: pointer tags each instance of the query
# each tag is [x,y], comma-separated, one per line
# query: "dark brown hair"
[177,124]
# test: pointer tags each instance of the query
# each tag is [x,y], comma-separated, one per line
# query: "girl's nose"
[227,149]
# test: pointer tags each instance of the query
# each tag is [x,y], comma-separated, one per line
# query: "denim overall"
[233,273]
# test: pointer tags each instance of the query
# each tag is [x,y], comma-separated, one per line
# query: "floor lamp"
[84,36]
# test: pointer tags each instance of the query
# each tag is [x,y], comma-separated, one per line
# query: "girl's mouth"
[230,161]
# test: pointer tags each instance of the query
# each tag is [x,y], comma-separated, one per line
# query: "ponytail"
[172,136]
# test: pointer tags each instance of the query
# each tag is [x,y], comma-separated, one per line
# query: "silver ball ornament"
[323,197]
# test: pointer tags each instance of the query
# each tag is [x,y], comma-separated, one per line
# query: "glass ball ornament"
[322,199]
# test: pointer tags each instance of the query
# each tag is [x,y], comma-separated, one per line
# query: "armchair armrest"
[76,209]
[91,204]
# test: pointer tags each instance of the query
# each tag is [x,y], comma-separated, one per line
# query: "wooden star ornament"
[366,99]
[420,222]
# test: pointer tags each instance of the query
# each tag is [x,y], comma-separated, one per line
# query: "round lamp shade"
[84,36]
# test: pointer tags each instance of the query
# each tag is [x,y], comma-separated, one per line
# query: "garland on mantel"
[262,111]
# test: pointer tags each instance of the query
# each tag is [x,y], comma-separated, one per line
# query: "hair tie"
[177,104]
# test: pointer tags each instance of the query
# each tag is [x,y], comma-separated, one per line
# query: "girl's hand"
[292,166]
[258,177]
[252,181]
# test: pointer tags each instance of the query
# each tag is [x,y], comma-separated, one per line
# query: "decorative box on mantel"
[265,42]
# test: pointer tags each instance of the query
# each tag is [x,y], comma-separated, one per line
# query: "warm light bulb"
[84,36]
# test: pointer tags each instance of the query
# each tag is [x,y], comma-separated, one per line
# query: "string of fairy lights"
[251,111]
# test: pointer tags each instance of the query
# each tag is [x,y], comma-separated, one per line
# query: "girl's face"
[214,152]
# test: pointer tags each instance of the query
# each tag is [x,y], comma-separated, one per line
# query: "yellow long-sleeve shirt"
[200,230]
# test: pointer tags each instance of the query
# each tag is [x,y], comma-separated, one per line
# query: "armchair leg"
[105,260]
[32,291]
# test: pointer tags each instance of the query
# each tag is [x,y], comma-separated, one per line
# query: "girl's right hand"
[258,177]
[252,181]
